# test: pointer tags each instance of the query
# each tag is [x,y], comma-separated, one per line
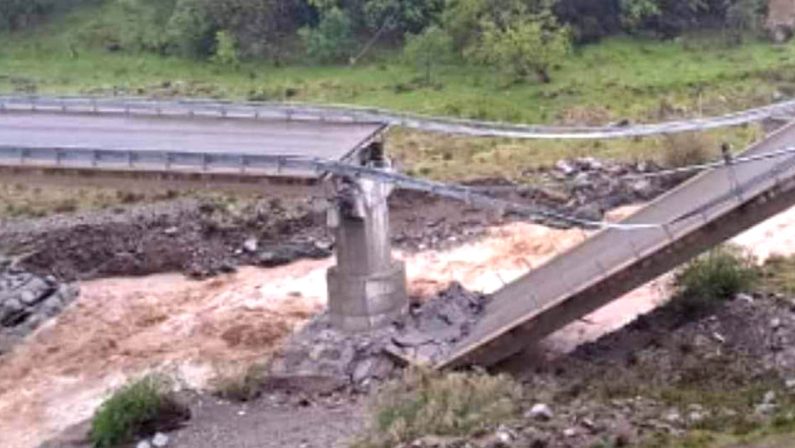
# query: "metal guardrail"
[202,162]
[351,114]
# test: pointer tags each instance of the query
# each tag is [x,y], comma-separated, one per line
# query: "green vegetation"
[432,403]
[139,409]
[717,276]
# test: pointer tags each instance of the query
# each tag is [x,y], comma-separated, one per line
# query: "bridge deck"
[702,213]
[41,130]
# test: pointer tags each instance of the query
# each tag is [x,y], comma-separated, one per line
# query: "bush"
[139,409]
[331,40]
[431,403]
[712,278]
[681,150]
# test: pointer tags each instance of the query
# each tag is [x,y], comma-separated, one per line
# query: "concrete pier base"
[367,288]
[367,302]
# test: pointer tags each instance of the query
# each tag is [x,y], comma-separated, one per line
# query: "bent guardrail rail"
[353,114]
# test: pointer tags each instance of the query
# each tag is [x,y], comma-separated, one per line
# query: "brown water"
[125,327]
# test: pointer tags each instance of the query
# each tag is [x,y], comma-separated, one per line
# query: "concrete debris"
[160,440]
[26,301]
[321,360]
[604,185]
[251,245]
[432,329]
[540,412]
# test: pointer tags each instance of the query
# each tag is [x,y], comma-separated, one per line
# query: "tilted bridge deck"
[700,214]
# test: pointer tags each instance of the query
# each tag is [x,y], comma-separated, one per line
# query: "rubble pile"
[592,187]
[322,360]
[27,301]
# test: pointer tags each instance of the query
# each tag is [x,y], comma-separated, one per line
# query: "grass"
[778,275]
[431,403]
[137,410]
[240,386]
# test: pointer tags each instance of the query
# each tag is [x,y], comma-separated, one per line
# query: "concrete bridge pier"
[367,287]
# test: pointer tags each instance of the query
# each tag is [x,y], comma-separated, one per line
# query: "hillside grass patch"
[441,404]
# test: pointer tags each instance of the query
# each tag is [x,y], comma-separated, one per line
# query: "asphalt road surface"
[196,134]
[607,254]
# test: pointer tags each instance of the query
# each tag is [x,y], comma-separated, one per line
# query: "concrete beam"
[636,273]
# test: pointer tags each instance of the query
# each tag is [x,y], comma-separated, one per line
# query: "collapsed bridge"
[342,147]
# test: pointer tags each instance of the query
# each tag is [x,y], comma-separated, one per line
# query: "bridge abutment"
[367,287]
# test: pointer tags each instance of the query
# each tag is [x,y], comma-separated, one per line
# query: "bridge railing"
[353,114]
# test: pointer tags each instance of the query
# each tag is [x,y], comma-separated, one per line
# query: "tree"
[743,16]
[530,45]
[635,12]
[332,39]
[432,47]
[190,30]
[19,14]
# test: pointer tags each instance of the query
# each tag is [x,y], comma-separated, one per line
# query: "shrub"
[681,150]
[714,277]
[137,410]
[431,403]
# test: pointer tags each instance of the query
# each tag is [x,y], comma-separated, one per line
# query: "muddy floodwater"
[124,327]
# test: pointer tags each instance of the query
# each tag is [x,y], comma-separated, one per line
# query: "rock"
[643,188]
[673,417]
[412,339]
[744,298]
[34,291]
[775,323]
[769,398]
[695,417]
[143,444]
[790,383]
[8,309]
[565,167]
[569,433]
[540,412]
[160,440]
[765,409]
[372,368]
[171,231]
[251,245]
[589,212]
